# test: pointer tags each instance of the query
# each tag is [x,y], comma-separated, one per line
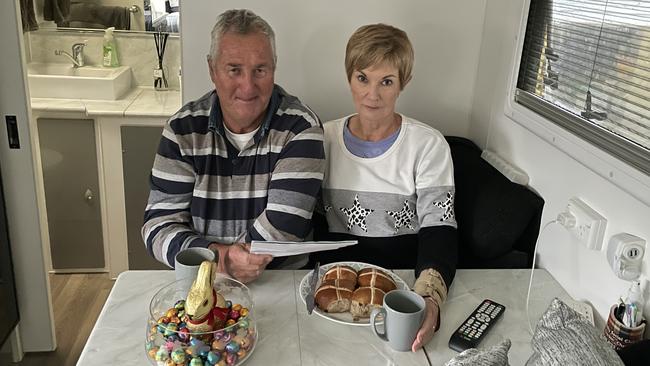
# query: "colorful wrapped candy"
[170,342]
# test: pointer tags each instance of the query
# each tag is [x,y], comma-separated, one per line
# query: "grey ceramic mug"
[188,261]
[403,313]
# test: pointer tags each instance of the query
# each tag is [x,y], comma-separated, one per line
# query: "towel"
[83,15]
[28,16]
[57,10]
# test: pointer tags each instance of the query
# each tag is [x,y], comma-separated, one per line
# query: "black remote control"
[473,329]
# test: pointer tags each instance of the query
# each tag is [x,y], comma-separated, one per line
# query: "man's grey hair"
[240,21]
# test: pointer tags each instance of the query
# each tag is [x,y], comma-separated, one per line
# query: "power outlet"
[625,255]
[589,226]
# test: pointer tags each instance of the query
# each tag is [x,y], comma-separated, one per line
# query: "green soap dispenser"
[110,49]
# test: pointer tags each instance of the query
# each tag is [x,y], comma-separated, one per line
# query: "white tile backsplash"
[135,50]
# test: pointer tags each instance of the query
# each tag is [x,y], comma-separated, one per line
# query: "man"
[244,162]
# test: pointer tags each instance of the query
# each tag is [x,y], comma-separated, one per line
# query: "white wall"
[613,189]
[311,39]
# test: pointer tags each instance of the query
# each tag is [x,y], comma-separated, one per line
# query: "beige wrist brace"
[430,283]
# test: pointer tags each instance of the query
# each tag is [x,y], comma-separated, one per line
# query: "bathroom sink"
[52,80]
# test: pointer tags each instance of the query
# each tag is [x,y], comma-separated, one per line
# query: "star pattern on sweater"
[402,217]
[327,208]
[357,214]
[447,205]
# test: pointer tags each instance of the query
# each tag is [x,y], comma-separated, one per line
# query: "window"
[585,65]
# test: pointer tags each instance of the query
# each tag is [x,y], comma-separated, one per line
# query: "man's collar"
[215,122]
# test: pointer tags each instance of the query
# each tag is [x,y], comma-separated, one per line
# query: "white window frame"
[614,170]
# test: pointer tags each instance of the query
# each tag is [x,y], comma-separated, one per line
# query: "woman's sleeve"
[437,238]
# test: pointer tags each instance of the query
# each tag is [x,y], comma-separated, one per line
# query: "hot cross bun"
[373,277]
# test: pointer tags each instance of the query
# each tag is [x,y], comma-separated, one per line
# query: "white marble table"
[289,336]
[507,287]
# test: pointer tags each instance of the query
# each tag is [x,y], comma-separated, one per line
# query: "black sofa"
[498,220]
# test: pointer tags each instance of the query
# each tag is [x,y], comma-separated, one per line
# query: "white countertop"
[289,336]
[140,101]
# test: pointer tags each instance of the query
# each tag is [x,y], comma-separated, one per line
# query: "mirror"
[124,15]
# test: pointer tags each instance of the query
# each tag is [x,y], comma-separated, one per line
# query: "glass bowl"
[169,342]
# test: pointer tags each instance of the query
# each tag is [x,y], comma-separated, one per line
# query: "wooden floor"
[77,300]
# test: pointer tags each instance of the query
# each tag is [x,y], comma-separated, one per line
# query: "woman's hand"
[429,324]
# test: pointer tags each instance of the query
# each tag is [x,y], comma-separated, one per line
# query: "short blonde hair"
[375,44]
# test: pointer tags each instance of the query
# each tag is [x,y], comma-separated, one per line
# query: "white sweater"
[408,187]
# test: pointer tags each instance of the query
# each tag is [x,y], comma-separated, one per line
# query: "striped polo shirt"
[204,190]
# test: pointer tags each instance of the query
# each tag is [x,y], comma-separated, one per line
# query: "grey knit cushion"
[495,356]
[564,337]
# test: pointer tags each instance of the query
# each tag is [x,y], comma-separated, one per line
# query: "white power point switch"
[589,225]
[625,255]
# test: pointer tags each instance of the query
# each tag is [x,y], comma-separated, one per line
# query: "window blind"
[585,65]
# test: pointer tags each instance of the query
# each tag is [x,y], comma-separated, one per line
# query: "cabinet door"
[70,175]
[139,146]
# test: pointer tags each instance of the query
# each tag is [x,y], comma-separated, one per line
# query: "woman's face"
[375,91]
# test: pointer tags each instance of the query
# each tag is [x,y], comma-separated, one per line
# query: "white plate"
[345,318]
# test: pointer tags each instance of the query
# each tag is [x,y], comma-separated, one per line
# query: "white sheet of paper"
[286,248]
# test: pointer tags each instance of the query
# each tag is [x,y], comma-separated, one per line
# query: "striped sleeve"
[295,183]
[167,219]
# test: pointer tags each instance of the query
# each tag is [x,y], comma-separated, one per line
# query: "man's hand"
[237,261]
[429,325]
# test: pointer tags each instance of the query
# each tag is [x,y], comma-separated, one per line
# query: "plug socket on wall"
[587,224]
[625,255]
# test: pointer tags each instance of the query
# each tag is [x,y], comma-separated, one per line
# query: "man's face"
[242,73]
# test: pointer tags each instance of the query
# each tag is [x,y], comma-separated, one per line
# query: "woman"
[389,178]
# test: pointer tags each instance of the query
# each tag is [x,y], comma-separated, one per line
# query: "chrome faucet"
[77,56]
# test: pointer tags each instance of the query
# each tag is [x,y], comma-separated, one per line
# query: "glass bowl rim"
[175,282]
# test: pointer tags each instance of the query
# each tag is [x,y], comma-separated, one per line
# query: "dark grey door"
[70,175]
[139,146]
